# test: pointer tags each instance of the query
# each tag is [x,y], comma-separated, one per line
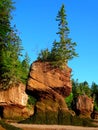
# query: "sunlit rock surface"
[15,95]
[84,106]
[13,102]
[49,85]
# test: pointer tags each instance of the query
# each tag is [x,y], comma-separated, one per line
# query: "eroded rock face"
[84,106]
[15,112]
[49,85]
[14,96]
[13,102]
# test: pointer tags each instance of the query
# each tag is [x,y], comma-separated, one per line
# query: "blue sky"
[35,21]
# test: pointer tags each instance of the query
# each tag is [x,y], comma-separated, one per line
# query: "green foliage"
[9,44]
[31,100]
[80,88]
[6,6]
[25,68]
[11,67]
[69,100]
[95,106]
[94,89]
[44,55]
[62,51]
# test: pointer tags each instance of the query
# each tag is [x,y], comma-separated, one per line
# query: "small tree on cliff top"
[64,49]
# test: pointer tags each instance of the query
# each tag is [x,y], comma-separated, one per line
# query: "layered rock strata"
[13,102]
[49,86]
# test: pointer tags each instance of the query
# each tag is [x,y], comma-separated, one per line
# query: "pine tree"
[64,50]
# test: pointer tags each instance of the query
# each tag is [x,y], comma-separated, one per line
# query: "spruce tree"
[63,50]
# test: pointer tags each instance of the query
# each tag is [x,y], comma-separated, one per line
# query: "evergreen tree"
[80,88]
[63,50]
[10,47]
[5,30]
[5,9]
[10,65]
[44,55]
[6,6]
[25,68]
[94,89]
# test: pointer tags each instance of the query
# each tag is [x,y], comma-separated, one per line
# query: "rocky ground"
[51,127]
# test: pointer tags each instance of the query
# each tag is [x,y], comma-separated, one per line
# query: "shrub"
[44,55]
[31,100]
[69,100]
[95,106]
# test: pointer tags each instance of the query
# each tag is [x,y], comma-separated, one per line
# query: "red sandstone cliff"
[49,85]
[14,96]
[13,102]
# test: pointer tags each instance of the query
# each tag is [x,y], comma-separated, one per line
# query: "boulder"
[84,106]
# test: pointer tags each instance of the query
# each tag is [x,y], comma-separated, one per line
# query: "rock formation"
[13,102]
[15,95]
[84,106]
[49,86]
